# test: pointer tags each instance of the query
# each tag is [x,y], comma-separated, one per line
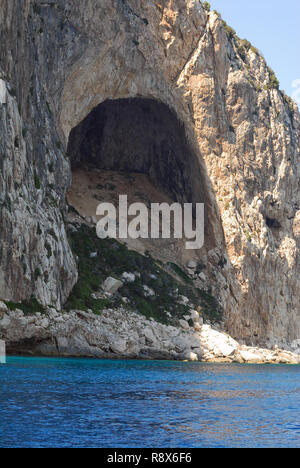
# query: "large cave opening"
[137,135]
[135,146]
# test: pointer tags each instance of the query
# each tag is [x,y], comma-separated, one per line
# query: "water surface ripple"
[90,403]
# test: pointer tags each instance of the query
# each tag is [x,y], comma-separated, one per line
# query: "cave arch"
[142,135]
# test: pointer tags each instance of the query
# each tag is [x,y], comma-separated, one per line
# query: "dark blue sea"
[90,403]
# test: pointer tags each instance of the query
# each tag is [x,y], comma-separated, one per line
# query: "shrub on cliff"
[273,81]
[206,6]
[229,30]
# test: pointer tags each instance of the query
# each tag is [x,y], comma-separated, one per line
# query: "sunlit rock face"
[237,147]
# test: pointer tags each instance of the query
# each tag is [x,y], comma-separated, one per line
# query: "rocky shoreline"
[122,334]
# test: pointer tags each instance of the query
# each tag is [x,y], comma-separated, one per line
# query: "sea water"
[97,403]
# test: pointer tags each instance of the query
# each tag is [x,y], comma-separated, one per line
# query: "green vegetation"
[48,107]
[246,44]
[222,262]
[206,6]
[36,9]
[229,30]
[179,272]
[217,13]
[52,233]
[273,81]
[243,47]
[248,235]
[37,182]
[37,274]
[255,50]
[289,101]
[32,306]
[49,250]
[114,259]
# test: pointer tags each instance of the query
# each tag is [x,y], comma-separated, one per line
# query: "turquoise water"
[89,403]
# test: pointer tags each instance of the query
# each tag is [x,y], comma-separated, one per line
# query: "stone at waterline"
[189,356]
[2,352]
[111,285]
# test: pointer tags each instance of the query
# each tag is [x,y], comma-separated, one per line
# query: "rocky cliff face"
[60,60]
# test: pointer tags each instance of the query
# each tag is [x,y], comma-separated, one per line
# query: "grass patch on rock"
[113,259]
[30,307]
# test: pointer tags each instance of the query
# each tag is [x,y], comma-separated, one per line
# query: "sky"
[273,27]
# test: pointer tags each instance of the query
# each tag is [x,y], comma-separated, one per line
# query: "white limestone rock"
[2,352]
[149,335]
[3,92]
[128,277]
[148,292]
[219,344]
[118,346]
[183,300]
[3,307]
[190,356]
[111,285]
[195,316]
[184,324]
[250,356]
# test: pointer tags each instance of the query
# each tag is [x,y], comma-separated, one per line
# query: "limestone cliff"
[60,60]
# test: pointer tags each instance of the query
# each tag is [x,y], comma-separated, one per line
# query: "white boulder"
[149,335]
[195,316]
[118,346]
[2,352]
[183,300]
[202,276]
[111,285]
[250,356]
[128,277]
[184,324]
[191,357]
[3,307]
[217,343]
[148,292]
